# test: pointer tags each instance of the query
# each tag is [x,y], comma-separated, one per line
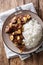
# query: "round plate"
[5,36]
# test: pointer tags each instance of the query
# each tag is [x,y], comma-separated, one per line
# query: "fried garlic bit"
[18,37]
[19,31]
[25,19]
[18,21]
[14,18]
[10,24]
[11,37]
[13,33]
[7,29]
[28,16]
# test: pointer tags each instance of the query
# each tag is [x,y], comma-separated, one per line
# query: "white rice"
[32,33]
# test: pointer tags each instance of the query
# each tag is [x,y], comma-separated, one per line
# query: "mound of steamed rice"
[32,33]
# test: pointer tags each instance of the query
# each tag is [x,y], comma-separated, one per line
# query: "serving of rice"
[32,33]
